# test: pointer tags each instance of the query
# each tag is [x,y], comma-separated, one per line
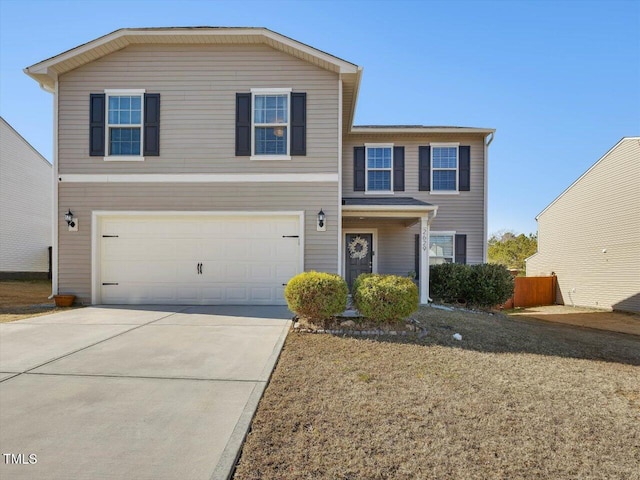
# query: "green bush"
[483,285]
[316,295]
[448,282]
[385,298]
[491,284]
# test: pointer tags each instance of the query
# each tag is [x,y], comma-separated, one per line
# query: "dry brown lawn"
[623,322]
[23,299]
[514,399]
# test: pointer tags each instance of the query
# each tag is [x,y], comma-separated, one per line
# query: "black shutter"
[461,249]
[243,124]
[298,123]
[416,262]
[96,124]
[151,124]
[358,169]
[464,169]
[398,169]
[424,168]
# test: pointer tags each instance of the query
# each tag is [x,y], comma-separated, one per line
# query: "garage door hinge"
[108,283]
[290,236]
[109,236]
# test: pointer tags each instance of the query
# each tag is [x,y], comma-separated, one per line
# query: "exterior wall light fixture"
[322,225]
[72,222]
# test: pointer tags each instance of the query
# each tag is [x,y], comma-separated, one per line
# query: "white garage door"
[209,260]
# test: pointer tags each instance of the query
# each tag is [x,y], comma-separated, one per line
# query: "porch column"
[424,260]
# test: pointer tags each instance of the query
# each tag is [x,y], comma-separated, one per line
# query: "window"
[124,123]
[379,165]
[271,123]
[444,168]
[441,248]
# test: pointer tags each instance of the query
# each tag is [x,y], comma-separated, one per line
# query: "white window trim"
[445,192]
[270,91]
[123,158]
[367,146]
[451,234]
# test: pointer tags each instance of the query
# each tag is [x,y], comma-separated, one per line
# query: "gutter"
[485,247]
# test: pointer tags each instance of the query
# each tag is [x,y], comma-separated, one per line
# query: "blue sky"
[559,80]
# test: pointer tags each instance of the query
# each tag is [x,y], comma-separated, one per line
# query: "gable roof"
[622,140]
[47,71]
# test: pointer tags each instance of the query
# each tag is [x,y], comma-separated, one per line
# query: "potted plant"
[64,300]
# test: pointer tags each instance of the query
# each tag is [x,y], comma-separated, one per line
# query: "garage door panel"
[238,294]
[238,248]
[262,294]
[212,294]
[187,293]
[262,272]
[285,271]
[245,260]
[239,272]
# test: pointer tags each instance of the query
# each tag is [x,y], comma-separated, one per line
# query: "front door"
[359,251]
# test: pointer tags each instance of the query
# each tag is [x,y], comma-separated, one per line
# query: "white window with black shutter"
[271,124]
[444,168]
[447,247]
[378,168]
[124,125]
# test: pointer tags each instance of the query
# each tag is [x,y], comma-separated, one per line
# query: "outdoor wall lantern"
[322,226]
[71,221]
[69,218]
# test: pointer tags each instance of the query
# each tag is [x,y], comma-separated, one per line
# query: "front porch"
[388,236]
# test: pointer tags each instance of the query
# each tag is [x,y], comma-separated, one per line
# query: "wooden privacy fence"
[533,292]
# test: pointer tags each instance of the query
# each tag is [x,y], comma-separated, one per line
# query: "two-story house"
[210,165]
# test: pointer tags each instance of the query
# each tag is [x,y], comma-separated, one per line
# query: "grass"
[24,298]
[513,399]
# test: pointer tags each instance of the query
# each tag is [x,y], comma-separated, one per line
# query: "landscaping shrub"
[483,285]
[449,282]
[385,298]
[316,295]
[491,284]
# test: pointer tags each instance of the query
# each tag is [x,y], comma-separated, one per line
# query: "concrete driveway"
[133,392]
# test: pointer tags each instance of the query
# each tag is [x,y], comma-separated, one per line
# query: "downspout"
[339,220]
[54,217]
[486,142]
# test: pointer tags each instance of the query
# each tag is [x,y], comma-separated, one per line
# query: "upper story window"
[271,124]
[379,168]
[124,124]
[441,247]
[444,168]
[270,117]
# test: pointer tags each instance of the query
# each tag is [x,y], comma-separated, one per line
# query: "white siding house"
[590,235]
[25,207]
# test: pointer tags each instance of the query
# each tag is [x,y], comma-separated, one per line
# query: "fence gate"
[534,291]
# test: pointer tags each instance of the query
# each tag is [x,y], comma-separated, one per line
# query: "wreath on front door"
[358,248]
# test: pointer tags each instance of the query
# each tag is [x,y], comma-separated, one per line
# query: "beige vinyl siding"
[600,211]
[26,193]
[197,86]
[463,212]
[75,247]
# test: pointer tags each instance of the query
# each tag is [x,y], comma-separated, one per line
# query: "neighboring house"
[590,235]
[210,165]
[26,207]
